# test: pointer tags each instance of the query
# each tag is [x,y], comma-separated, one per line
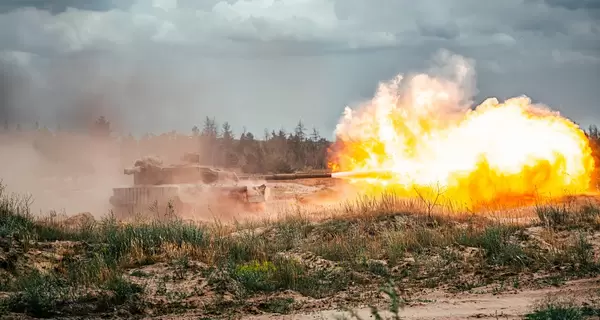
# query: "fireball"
[419,137]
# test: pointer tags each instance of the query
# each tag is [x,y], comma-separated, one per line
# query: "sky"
[162,65]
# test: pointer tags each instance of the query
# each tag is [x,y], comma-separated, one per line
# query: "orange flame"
[428,143]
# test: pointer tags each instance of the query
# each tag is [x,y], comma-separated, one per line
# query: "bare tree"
[430,200]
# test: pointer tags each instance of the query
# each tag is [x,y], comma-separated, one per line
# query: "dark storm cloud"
[445,31]
[58,6]
[547,26]
[165,64]
[13,83]
[574,4]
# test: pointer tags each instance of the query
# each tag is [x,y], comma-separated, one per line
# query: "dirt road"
[468,305]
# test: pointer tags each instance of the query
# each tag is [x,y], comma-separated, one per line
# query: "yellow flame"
[430,145]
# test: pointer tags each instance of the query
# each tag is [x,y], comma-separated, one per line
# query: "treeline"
[274,151]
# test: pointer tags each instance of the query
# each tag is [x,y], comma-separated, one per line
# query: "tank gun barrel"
[130,171]
[374,174]
[288,176]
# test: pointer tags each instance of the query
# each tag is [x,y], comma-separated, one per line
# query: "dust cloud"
[66,173]
[71,172]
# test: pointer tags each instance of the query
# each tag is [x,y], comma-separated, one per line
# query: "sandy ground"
[469,305]
[511,304]
[438,305]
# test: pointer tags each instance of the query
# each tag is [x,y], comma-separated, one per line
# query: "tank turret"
[178,174]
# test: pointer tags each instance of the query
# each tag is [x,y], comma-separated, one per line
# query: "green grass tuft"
[555,309]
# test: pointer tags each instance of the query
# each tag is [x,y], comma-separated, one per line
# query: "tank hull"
[188,199]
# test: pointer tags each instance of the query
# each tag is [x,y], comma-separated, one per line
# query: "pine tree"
[315,136]
[210,129]
[227,133]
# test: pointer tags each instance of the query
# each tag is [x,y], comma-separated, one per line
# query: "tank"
[183,188]
[188,188]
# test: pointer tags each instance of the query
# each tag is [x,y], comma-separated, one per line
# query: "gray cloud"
[447,30]
[58,6]
[164,65]
[574,4]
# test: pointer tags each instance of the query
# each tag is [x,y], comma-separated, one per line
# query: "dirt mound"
[79,220]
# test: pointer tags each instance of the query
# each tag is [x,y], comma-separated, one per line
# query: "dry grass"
[343,256]
[563,308]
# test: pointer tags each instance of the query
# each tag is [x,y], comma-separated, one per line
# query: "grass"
[48,294]
[287,274]
[100,265]
[566,217]
[553,308]
[277,305]
[497,246]
[395,305]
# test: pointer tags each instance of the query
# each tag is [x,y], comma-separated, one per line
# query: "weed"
[342,248]
[256,276]
[421,238]
[38,295]
[396,304]
[496,243]
[161,286]
[277,305]
[123,290]
[553,216]
[89,270]
[181,264]
[468,285]
[140,274]
[148,238]
[394,247]
[590,213]
[291,232]
[555,281]
[551,309]
[378,267]
[516,283]
[287,273]
[562,217]
[243,249]
[582,253]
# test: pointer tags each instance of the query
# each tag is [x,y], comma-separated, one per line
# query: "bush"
[38,295]
[256,276]
[497,246]
[554,308]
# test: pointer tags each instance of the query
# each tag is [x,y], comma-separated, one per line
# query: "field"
[318,258]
